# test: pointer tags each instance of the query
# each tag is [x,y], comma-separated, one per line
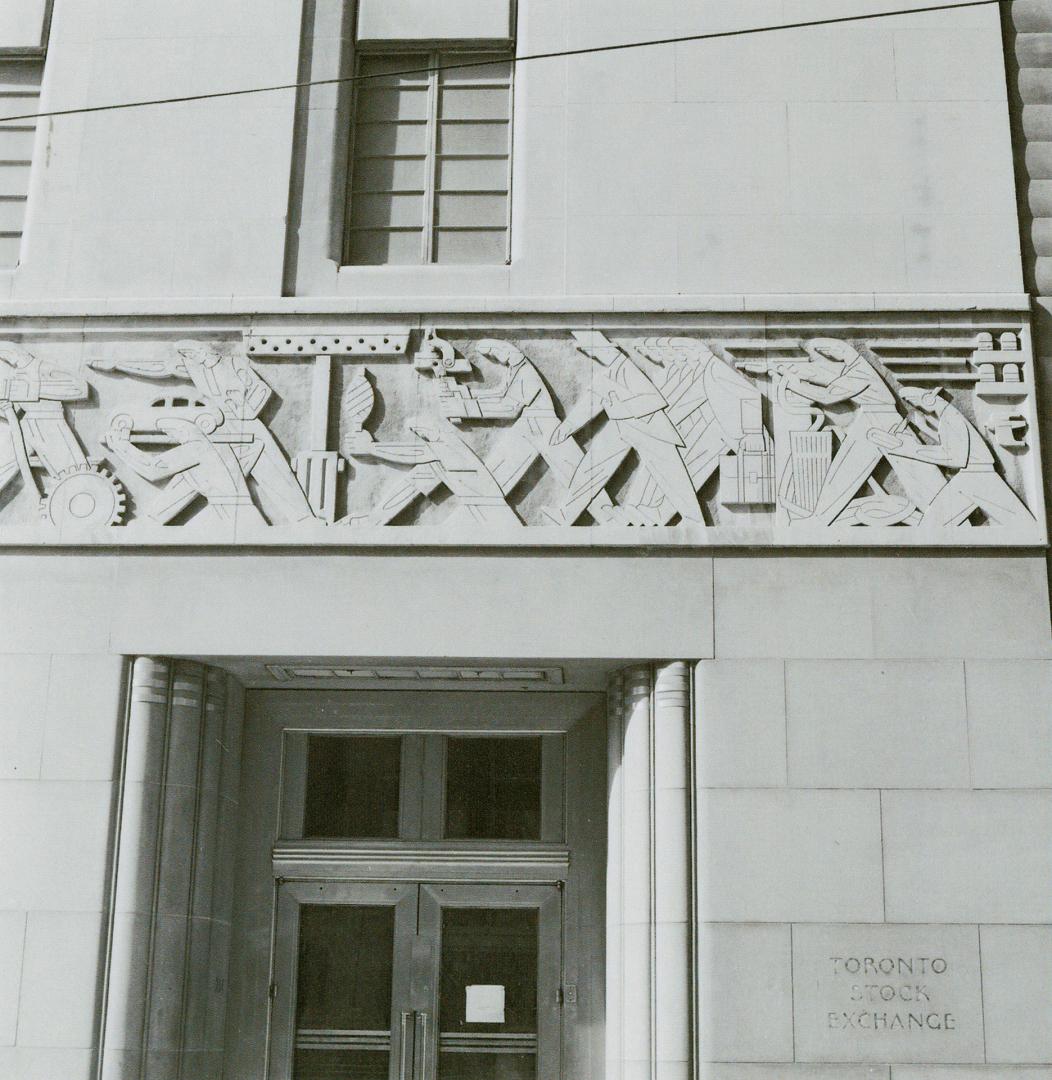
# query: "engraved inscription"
[887,993]
[880,1001]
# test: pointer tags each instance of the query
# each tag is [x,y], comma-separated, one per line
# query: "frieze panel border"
[879,431]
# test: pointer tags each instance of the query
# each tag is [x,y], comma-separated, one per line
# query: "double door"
[417,981]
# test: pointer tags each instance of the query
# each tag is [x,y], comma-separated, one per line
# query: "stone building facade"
[524,570]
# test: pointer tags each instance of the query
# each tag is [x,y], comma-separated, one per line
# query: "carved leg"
[511,458]
[8,461]
[51,437]
[592,474]
[973,490]
[275,477]
[563,459]
[175,498]
[393,504]
[489,510]
[665,464]
[702,458]
[854,462]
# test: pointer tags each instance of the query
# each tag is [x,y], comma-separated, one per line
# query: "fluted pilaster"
[1027,28]
[648,874]
[166,972]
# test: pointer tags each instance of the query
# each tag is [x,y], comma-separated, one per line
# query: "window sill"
[435,280]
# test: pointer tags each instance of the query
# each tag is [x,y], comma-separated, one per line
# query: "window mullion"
[432,158]
[433,795]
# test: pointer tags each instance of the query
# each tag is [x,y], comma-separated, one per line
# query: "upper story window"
[19,93]
[24,28]
[430,159]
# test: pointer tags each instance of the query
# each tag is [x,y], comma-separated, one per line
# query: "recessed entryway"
[434,866]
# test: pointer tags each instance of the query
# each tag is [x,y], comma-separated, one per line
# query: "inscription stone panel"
[887,993]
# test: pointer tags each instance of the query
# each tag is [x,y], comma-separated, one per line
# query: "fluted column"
[648,875]
[1027,28]
[167,958]
[1028,32]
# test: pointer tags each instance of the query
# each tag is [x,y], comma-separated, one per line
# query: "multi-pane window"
[485,787]
[19,94]
[430,160]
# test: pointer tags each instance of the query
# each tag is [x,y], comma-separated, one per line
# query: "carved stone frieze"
[905,434]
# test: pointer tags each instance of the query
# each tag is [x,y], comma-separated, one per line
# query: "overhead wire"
[587,50]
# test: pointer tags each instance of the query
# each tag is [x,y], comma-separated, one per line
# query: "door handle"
[404,1059]
[421,1047]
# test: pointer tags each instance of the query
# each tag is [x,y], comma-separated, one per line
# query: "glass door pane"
[342,975]
[343,993]
[498,974]
[487,1012]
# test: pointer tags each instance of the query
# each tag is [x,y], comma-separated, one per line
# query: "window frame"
[26,98]
[266,861]
[431,57]
[423,785]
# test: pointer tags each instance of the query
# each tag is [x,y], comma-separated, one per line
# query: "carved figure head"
[501,352]
[666,351]
[197,354]
[226,377]
[595,345]
[829,356]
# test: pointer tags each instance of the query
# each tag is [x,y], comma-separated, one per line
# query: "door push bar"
[413,1066]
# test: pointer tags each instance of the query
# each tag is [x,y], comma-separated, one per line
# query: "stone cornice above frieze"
[847,430]
[247,312]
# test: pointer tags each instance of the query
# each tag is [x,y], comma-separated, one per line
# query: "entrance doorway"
[420,981]
[437,875]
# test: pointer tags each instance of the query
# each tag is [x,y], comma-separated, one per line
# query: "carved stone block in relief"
[920,434]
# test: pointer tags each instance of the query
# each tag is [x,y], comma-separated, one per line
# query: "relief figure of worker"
[956,445]
[836,373]
[637,419]
[524,397]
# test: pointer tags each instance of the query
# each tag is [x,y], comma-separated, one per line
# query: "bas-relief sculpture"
[689,438]
[40,446]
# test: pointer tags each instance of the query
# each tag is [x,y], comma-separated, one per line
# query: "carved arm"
[836,392]
[399,453]
[148,466]
[582,410]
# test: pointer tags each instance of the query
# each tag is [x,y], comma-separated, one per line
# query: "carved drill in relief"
[955,444]
[78,492]
[747,433]
[210,444]
[437,456]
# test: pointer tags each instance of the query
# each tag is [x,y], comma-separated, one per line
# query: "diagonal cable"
[807,24]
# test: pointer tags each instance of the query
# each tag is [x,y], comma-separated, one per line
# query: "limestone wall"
[871,807]
[871,158]
[872,740]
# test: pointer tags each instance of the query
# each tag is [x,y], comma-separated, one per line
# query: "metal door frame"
[291,897]
[416,965]
[546,900]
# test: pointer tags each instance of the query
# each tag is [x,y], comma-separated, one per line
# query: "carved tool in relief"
[775,432]
[79,492]
[226,417]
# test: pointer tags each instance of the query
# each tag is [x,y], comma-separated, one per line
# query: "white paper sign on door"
[484,1005]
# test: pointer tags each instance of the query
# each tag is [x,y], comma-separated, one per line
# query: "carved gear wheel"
[84,496]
